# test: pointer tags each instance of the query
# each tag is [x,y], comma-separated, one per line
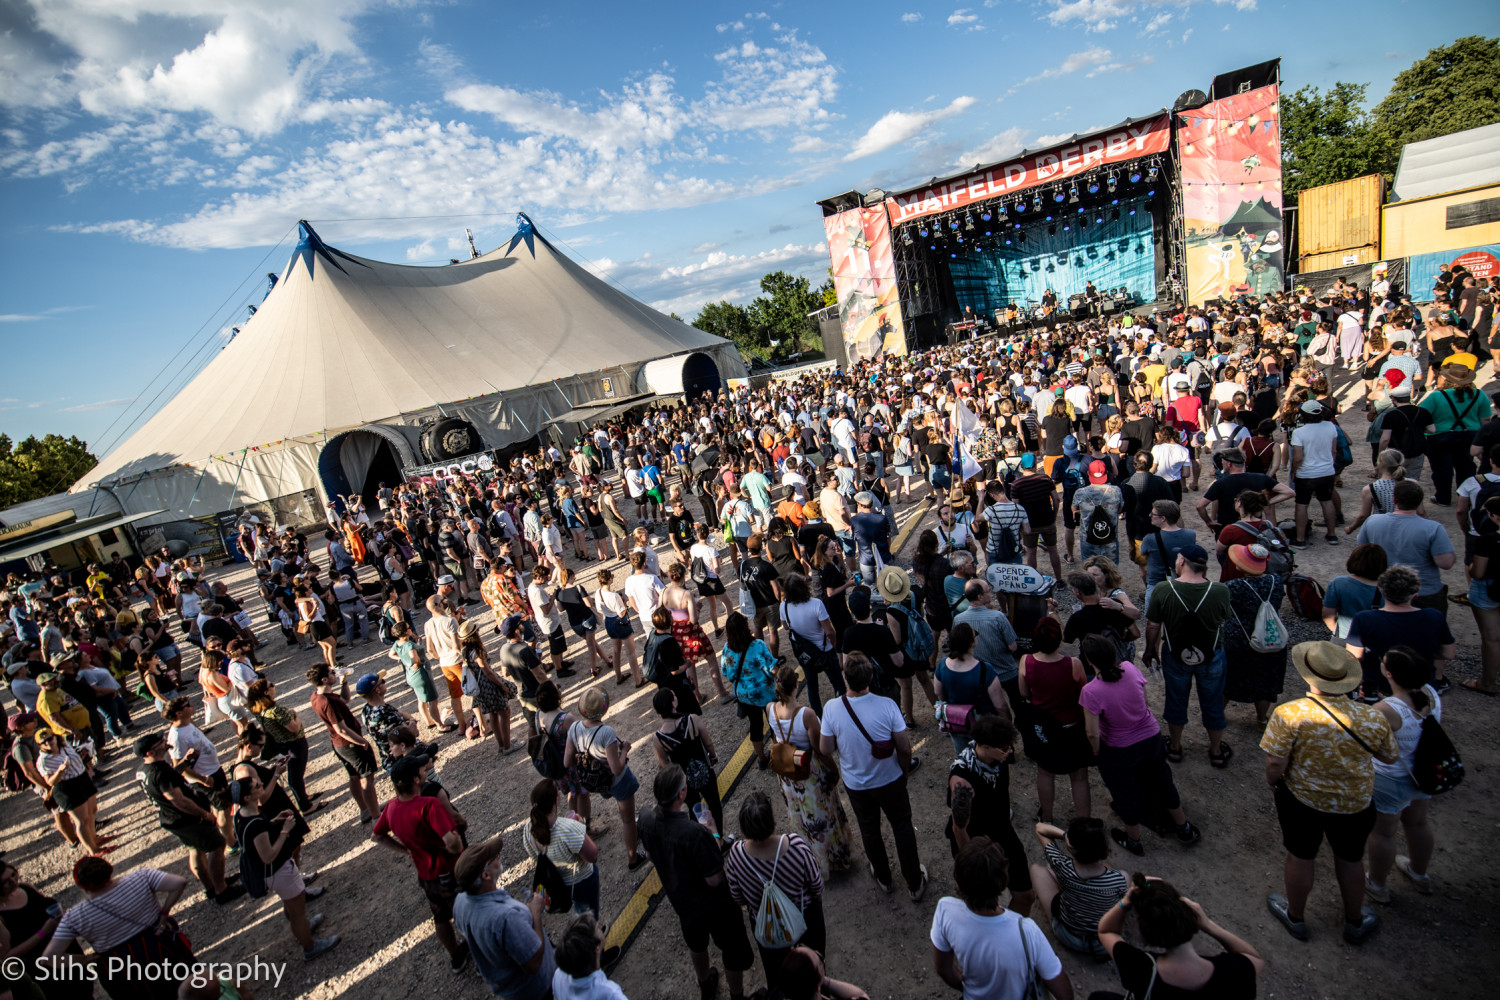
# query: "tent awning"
[40,545]
[595,413]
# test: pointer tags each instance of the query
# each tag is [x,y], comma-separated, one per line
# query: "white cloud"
[999,147]
[685,288]
[898,126]
[1158,22]
[103,404]
[1096,60]
[962,16]
[20,317]
[707,247]
[422,251]
[911,18]
[807,144]
[731,26]
[1052,139]
[1186,35]
[1104,15]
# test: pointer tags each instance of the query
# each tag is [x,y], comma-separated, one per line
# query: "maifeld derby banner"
[864,276]
[1231,195]
[1059,163]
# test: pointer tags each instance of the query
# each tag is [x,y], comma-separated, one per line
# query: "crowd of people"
[1074,449]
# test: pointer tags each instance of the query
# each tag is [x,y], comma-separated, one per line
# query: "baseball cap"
[17,722]
[367,683]
[864,498]
[144,744]
[1193,553]
[1312,407]
[1098,472]
[1028,461]
[511,625]
[15,668]
[46,677]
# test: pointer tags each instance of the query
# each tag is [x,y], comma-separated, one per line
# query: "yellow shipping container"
[1340,216]
[1338,258]
[1441,222]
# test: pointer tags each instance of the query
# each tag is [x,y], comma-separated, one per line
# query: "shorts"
[1394,794]
[726,928]
[585,628]
[557,642]
[440,893]
[218,792]
[286,881]
[766,618]
[1303,828]
[617,628]
[203,837]
[1048,536]
[1178,679]
[1087,944]
[1479,596]
[1322,487]
[234,708]
[626,785]
[654,496]
[169,652]
[400,585]
[358,761]
[454,675]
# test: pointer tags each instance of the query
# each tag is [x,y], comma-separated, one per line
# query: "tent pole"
[230,504]
[131,493]
[196,487]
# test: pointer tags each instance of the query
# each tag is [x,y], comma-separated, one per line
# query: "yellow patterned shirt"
[1328,770]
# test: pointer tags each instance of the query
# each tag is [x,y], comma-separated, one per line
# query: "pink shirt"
[1124,717]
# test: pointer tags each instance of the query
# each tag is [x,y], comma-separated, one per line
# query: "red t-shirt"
[1187,408]
[420,824]
[334,709]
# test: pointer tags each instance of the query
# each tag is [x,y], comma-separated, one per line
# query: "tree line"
[776,324]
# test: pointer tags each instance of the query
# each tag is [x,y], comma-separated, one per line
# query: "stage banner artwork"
[1231,193]
[864,277]
[1483,262]
[1128,142]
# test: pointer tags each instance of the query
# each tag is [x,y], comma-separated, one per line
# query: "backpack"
[697,571]
[778,923]
[864,439]
[548,881]
[918,643]
[384,632]
[1306,596]
[1266,634]
[1205,378]
[1101,529]
[545,755]
[1280,560]
[1436,767]
[253,871]
[1004,544]
[1343,455]
[1479,521]
[652,658]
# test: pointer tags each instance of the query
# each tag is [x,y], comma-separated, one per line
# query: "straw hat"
[1250,558]
[894,585]
[1327,666]
[593,704]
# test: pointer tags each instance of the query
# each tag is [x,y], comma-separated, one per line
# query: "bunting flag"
[965,436]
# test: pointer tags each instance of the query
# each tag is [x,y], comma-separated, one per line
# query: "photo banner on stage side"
[1230,153]
[864,278]
[1128,142]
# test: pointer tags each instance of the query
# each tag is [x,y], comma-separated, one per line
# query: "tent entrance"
[358,462]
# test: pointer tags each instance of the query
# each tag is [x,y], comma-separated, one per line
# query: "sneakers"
[315,921]
[1423,883]
[1122,838]
[1277,904]
[884,886]
[321,946]
[1368,921]
[917,893]
[315,891]
[1379,893]
[230,894]
[1187,833]
[460,958]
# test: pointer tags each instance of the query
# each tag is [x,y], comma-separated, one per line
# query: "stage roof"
[1449,163]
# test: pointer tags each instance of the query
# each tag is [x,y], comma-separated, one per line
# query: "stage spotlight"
[1151,173]
[1132,211]
[985,215]
[1000,209]
[1151,193]
[1049,218]
[1112,182]
[1099,220]
[906,237]
[1114,201]
[953,224]
[923,232]
[968,222]
[1058,196]
[1067,228]
[1094,186]
[1135,177]
[1081,210]
[1072,194]
[1036,202]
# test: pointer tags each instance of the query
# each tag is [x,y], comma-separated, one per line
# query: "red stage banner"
[1059,163]
[864,277]
[1231,195]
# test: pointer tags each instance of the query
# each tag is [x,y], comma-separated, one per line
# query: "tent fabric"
[341,342]
[356,454]
[1449,163]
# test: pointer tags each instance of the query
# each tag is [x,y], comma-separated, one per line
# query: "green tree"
[38,467]
[1453,88]
[829,293]
[1327,136]
[783,311]
[733,323]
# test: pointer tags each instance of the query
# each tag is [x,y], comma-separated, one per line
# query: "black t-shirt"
[1485,438]
[1233,977]
[874,639]
[222,629]
[1408,425]
[1139,434]
[759,576]
[783,555]
[279,800]
[1054,429]
[158,778]
[662,656]
[680,528]
[1091,619]
[838,607]
[686,855]
[519,660]
[1223,491]
[991,811]
[808,535]
[1036,493]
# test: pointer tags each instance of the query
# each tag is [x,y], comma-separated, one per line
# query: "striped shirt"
[797,873]
[1083,901]
[116,916]
[68,762]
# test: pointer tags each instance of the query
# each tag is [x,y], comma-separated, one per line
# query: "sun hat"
[1327,666]
[446,580]
[1250,558]
[1457,376]
[593,704]
[47,677]
[467,628]
[813,509]
[894,584]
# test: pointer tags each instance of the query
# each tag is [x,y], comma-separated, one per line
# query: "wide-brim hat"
[894,584]
[1250,558]
[1327,666]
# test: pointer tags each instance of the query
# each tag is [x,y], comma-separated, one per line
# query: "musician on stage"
[1091,295]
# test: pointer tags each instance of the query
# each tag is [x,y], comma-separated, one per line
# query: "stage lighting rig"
[1093,185]
[1072,194]
[906,237]
[968,222]
[1151,173]
[953,223]
[1112,182]
[985,215]
[1135,176]
[1058,196]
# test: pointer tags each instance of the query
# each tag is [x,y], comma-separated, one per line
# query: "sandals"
[1174,753]
[1123,839]
[1220,760]
[1473,685]
[637,861]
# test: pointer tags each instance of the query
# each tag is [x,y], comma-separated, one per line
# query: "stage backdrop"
[1483,262]
[864,276]
[1230,152]
[1112,255]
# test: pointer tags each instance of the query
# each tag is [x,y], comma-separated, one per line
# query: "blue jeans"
[586,894]
[1110,550]
[878,457]
[1179,677]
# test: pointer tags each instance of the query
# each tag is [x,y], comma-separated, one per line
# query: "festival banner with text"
[864,277]
[1231,195]
[1121,145]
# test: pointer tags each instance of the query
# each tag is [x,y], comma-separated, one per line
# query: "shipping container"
[1441,223]
[1340,216]
[1338,258]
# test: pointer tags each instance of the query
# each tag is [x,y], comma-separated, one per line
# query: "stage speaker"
[1108,306]
[1076,302]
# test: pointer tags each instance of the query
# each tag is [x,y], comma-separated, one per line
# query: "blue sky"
[153,153]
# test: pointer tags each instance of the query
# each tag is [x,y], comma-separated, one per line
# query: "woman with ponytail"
[567,844]
[1379,497]
[1129,748]
[1169,967]
[1397,797]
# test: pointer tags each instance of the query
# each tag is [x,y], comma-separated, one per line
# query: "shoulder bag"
[1034,990]
[786,760]
[879,749]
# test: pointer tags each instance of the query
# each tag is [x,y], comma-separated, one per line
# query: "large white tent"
[364,354]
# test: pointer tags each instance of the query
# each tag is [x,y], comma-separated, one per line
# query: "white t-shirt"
[181,739]
[1079,396]
[441,633]
[1318,443]
[595,986]
[990,950]
[843,433]
[1170,459]
[1224,391]
[242,675]
[807,621]
[1225,435]
[881,718]
[540,597]
[709,555]
[645,590]
[100,678]
[635,483]
[797,483]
